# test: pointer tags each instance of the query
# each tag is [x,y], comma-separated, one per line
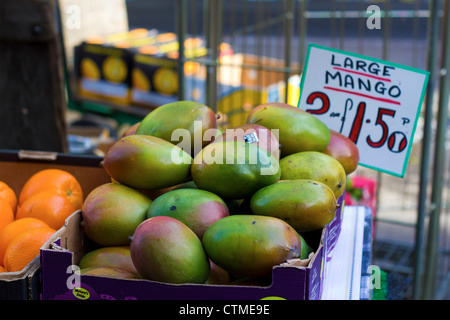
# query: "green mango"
[164,249]
[315,166]
[298,130]
[195,118]
[306,249]
[306,205]
[147,162]
[234,169]
[251,245]
[198,209]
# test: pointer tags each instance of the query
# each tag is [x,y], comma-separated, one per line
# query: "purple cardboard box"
[333,229]
[294,280]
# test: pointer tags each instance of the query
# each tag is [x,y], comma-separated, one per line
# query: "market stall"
[192,161]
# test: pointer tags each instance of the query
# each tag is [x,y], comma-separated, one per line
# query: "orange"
[6,214]
[7,193]
[15,228]
[2,269]
[63,181]
[48,206]
[25,247]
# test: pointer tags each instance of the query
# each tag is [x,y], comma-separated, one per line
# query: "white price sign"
[373,102]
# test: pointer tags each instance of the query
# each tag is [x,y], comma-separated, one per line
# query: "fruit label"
[251,138]
[81,293]
[375,103]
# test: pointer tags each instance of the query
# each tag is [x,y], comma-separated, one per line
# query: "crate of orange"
[38,192]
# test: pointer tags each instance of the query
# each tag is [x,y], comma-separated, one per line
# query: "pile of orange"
[27,221]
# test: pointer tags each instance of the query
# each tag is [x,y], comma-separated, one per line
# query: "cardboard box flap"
[69,237]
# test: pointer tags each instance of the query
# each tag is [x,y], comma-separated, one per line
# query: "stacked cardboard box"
[139,67]
[103,65]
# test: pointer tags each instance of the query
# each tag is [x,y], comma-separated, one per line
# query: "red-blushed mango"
[111,212]
[192,116]
[306,205]
[343,150]
[131,130]
[298,130]
[234,169]
[253,133]
[197,209]
[164,249]
[251,245]
[147,162]
[316,166]
[114,257]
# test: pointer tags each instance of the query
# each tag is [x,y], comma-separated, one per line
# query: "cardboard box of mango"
[195,212]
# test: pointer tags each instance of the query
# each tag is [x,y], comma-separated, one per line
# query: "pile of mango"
[194,203]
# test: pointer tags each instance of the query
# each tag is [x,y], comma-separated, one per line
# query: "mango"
[131,130]
[315,166]
[234,169]
[147,162]
[197,209]
[114,257]
[110,272]
[306,248]
[298,130]
[251,245]
[253,133]
[306,205]
[343,150]
[164,249]
[111,212]
[195,119]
